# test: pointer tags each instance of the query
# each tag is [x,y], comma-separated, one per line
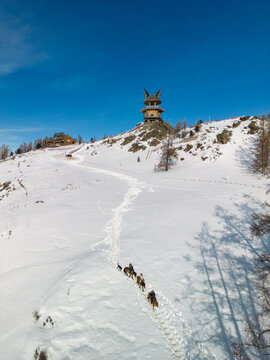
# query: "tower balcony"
[152,107]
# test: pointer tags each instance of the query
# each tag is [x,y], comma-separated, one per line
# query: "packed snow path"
[167,318]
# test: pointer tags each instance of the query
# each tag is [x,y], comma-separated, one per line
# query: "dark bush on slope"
[224,137]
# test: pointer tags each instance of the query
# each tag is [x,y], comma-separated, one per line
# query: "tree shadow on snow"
[226,296]
[245,157]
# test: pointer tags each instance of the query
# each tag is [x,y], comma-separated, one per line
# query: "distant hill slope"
[208,143]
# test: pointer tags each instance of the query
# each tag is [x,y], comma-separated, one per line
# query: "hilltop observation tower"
[152,111]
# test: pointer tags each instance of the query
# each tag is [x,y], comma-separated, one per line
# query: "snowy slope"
[65,223]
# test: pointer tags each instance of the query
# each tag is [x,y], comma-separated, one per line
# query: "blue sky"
[81,66]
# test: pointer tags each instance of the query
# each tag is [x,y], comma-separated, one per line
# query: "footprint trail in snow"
[167,318]
[174,329]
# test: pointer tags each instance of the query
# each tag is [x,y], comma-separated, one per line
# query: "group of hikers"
[129,271]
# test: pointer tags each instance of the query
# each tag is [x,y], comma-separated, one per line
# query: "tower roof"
[152,98]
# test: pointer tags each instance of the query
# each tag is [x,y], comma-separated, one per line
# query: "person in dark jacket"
[131,267]
[153,296]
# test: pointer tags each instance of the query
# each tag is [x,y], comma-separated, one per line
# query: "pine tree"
[39,143]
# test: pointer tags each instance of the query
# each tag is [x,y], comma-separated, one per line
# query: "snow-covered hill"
[66,223]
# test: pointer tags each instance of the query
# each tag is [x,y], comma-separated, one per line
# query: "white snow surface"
[66,223]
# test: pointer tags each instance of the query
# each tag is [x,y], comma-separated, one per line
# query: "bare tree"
[262,147]
[168,154]
[29,148]
[179,125]
[23,147]
[80,139]
[45,141]
[4,151]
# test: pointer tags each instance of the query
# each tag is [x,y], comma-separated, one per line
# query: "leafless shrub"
[5,185]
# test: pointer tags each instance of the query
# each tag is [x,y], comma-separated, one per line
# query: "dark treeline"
[37,144]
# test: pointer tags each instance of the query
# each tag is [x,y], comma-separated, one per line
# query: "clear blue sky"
[81,66]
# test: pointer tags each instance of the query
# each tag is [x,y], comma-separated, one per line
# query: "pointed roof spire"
[146,94]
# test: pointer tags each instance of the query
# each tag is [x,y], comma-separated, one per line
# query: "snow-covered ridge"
[204,143]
